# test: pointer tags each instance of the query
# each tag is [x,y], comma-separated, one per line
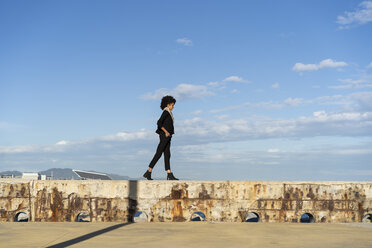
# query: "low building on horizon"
[35,176]
[7,176]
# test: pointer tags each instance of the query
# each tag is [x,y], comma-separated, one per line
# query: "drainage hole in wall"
[367,218]
[21,217]
[307,218]
[198,216]
[140,217]
[252,217]
[83,217]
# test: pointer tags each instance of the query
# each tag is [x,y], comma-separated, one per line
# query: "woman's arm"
[161,121]
[165,131]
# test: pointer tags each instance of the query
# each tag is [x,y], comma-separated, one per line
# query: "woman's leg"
[167,156]
[161,147]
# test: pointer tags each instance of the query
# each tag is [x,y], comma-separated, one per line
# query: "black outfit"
[165,121]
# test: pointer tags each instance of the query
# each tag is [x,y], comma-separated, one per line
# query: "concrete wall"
[227,201]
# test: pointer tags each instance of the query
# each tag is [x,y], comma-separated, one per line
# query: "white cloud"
[351,151]
[227,80]
[127,136]
[32,149]
[273,150]
[348,172]
[327,63]
[293,101]
[214,84]
[332,100]
[192,91]
[352,84]
[322,116]
[17,149]
[221,117]
[62,142]
[363,100]
[275,86]
[362,15]
[355,99]
[289,102]
[197,112]
[229,108]
[234,79]
[370,65]
[81,145]
[269,105]
[320,123]
[184,41]
[303,67]
[181,92]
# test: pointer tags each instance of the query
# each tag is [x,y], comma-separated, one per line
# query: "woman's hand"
[167,134]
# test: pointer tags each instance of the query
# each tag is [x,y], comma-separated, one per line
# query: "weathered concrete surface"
[176,201]
[189,234]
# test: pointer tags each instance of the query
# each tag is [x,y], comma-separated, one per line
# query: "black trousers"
[163,147]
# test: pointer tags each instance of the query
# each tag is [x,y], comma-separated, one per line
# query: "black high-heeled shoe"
[171,177]
[147,175]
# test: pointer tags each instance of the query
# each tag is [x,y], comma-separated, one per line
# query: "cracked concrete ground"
[188,234]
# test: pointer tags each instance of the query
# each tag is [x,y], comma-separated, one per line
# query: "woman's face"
[170,106]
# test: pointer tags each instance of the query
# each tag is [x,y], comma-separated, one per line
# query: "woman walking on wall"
[165,130]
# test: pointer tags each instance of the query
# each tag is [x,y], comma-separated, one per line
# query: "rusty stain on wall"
[177,201]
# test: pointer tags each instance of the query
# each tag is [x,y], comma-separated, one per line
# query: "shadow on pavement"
[88,236]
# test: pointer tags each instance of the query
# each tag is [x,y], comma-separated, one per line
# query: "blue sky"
[274,90]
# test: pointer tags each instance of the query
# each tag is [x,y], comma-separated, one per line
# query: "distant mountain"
[15,173]
[65,173]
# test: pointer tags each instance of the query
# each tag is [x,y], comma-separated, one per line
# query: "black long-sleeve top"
[165,121]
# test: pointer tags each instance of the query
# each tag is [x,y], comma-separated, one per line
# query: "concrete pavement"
[187,234]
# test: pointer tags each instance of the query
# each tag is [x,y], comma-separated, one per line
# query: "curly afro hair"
[167,100]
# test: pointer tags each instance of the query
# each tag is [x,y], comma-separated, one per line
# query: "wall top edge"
[184,181]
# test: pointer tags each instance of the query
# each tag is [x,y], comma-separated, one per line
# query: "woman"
[165,131]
